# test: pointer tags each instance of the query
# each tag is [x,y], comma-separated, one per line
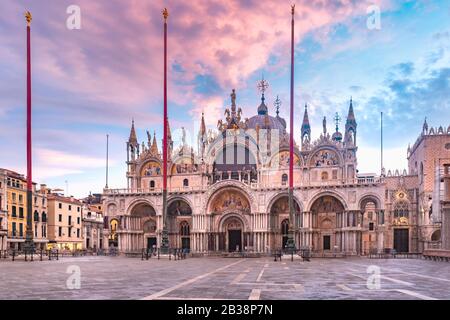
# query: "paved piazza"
[224,278]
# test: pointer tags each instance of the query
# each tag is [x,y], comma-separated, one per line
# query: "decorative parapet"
[437,131]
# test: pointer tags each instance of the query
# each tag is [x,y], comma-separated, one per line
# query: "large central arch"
[230,210]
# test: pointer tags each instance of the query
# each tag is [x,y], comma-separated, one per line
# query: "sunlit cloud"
[93,81]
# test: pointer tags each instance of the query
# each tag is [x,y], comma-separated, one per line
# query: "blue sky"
[91,82]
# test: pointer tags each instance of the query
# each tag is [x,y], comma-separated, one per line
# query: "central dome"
[265,121]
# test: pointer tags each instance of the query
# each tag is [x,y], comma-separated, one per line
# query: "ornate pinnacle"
[28,17]
[277,105]
[165,13]
[337,119]
[293,9]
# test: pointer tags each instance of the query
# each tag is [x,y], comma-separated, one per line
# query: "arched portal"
[369,220]
[179,219]
[327,216]
[142,220]
[185,234]
[233,228]
[284,232]
[113,236]
[279,220]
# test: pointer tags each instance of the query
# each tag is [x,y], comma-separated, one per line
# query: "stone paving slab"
[220,278]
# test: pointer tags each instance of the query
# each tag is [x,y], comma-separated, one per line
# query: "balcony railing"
[149,190]
[247,177]
[251,180]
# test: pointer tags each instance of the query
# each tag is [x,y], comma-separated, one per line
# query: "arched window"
[44,217]
[185,183]
[184,229]
[36,216]
[152,184]
[324,175]
[401,209]
[285,227]
[284,179]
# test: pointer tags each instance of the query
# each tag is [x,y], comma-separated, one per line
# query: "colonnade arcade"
[141,227]
[231,223]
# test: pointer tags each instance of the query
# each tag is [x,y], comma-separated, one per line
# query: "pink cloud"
[116,58]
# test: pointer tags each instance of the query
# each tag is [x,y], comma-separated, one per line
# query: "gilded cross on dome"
[263,85]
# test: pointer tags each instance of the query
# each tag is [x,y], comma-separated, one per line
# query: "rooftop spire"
[350,126]
[337,119]
[154,148]
[351,114]
[425,126]
[305,124]
[202,125]
[306,129]
[133,138]
[277,105]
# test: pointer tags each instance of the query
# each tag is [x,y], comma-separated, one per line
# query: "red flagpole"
[165,236]
[291,128]
[29,165]
[290,245]
[165,104]
[29,245]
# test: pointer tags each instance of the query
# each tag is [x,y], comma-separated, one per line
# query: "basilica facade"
[231,192]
